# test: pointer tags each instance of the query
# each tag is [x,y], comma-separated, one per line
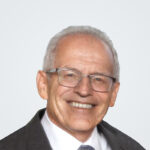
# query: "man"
[80,81]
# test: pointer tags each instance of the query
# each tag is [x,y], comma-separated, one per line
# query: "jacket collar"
[36,137]
[111,135]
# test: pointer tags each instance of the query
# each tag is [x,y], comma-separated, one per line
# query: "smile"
[79,105]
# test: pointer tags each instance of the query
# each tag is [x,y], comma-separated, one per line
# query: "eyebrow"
[100,74]
[94,73]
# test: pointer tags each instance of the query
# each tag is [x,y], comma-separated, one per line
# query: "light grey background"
[25,29]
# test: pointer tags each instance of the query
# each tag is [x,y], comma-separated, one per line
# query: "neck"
[82,136]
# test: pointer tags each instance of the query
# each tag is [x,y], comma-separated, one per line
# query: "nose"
[83,88]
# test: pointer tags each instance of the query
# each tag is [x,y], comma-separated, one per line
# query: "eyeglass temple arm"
[52,70]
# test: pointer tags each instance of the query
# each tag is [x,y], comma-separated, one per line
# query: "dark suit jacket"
[33,137]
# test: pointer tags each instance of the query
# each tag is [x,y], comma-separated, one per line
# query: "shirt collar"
[61,140]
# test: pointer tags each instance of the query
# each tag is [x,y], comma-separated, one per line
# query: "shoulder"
[11,140]
[120,138]
[26,136]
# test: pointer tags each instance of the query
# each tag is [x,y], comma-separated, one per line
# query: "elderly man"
[80,81]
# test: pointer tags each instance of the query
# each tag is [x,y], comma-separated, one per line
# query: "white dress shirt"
[61,140]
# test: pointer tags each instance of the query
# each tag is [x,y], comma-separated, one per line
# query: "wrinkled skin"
[88,55]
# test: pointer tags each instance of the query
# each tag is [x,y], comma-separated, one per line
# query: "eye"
[69,74]
[98,79]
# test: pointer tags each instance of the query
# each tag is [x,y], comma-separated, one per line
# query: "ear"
[114,93]
[42,84]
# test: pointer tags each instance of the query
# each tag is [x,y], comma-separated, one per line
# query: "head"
[78,109]
[51,48]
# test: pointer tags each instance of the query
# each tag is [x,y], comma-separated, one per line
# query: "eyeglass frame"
[57,70]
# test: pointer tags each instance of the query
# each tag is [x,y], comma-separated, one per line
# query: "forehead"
[81,50]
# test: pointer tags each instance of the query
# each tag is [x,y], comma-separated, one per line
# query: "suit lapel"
[110,136]
[36,138]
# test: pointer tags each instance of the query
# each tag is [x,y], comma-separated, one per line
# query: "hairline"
[49,58]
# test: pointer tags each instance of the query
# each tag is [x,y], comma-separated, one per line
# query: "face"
[65,106]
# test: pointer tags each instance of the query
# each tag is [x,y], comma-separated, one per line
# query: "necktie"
[86,147]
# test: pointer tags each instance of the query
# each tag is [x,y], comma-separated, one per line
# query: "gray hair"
[51,48]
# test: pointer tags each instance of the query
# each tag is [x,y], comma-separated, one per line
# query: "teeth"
[79,105]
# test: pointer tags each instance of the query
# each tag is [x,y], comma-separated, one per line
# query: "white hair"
[51,48]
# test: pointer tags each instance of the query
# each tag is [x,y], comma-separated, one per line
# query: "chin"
[82,126]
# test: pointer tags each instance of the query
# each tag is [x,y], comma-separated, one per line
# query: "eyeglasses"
[71,77]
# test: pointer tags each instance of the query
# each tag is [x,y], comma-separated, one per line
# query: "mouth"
[81,105]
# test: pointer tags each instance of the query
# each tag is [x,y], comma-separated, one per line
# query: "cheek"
[103,98]
[55,90]
[56,100]
[62,91]
[103,104]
